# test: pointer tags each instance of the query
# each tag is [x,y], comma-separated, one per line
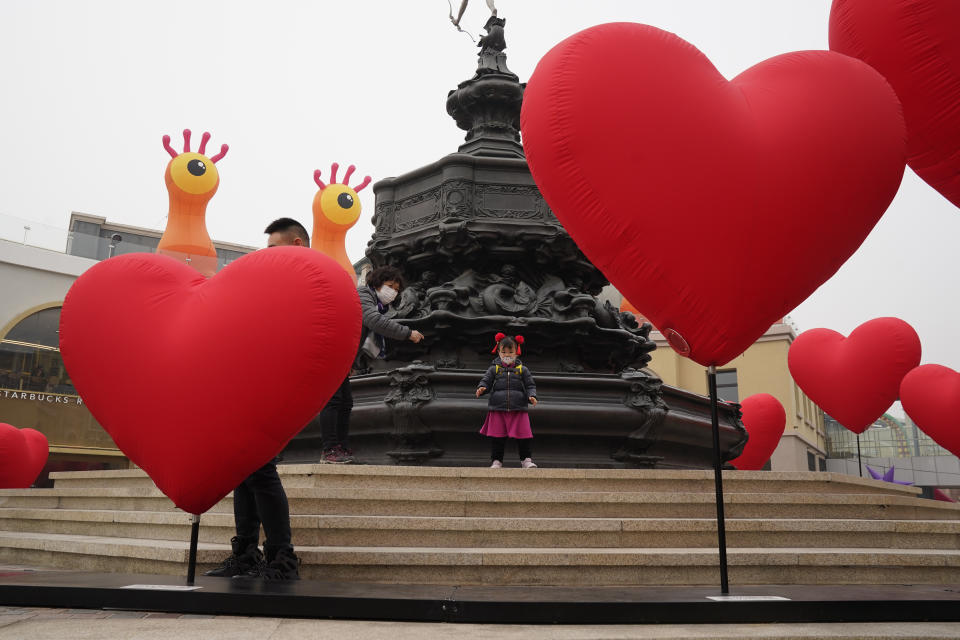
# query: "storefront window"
[35,387]
[29,357]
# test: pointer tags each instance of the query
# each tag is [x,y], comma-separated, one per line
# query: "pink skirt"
[509,424]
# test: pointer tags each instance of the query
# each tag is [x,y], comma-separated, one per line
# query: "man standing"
[260,499]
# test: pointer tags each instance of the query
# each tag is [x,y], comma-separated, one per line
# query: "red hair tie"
[496,341]
[519,340]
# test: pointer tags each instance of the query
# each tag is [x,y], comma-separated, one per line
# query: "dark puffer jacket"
[510,388]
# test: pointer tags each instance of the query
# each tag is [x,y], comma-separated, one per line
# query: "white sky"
[89,88]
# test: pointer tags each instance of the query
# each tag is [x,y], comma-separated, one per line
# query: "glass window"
[36,390]
[727,385]
[811,461]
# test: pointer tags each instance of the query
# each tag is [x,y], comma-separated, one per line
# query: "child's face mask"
[508,356]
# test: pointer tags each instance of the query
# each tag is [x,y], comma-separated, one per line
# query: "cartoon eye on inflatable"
[194,173]
[337,201]
[336,208]
[191,179]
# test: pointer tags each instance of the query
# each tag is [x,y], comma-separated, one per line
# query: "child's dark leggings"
[498,445]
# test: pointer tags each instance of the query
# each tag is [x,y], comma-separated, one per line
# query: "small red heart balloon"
[915,44]
[764,420]
[23,454]
[855,379]
[931,397]
[200,382]
[714,206]
[38,448]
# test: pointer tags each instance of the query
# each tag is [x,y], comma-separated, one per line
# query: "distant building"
[93,237]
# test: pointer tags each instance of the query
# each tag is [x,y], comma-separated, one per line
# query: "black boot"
[284,565]
[246,556]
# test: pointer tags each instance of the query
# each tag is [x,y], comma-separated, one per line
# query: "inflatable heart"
[764,419]
[915,44]
[715,207]
[38,448]
[855,379]
[200,382]
[931,397]
[23,454]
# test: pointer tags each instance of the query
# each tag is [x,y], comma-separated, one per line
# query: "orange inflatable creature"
[336,208]
[191,179]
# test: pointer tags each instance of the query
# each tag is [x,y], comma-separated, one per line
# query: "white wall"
[30,276]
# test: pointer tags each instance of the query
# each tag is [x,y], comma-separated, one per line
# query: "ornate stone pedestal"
[482,253]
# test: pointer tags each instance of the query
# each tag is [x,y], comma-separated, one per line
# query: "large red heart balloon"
[915,44]
[855,379]
[764,420]
[23,454]
[715,207]
[931,397]
[200,382]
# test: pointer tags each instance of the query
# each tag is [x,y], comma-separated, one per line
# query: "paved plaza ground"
[32,623]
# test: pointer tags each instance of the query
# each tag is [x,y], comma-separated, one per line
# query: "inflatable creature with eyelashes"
[336,208]
[192,179]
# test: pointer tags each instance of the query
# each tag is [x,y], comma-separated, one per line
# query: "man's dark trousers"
[261,499]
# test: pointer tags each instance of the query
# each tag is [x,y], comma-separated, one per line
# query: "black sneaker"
[245,557]
[286,566]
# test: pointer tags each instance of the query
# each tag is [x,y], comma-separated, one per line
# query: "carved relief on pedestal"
[645,397]
[410,389]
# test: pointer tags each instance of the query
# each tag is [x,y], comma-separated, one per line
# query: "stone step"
[517,504]
[489,532]
[520,566]
[566,480]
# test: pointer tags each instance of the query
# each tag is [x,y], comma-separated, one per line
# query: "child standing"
[511,389]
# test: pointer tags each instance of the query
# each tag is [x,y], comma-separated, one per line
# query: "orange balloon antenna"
[219,156]
[186,146]
[166,145]
[346,178]
[360,186]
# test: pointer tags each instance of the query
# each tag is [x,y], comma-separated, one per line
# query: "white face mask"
[386,294]
[508,360]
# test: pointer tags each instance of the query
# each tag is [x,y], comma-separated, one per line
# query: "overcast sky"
[89,88]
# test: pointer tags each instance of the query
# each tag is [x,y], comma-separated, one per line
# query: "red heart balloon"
[715,207]
[915,44]
[855,379]
[764,419]
[23,453]
[38,450]
[200,382]
[931,397]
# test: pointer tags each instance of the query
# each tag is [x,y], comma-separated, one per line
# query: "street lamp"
[114,241]
[26,228]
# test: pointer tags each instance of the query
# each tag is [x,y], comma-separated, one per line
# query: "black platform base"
[431,603]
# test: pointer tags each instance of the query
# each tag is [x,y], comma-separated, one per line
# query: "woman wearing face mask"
[382,288]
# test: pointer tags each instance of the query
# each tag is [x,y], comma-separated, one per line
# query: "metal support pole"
[192,562]
[718,477]
[859,459]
